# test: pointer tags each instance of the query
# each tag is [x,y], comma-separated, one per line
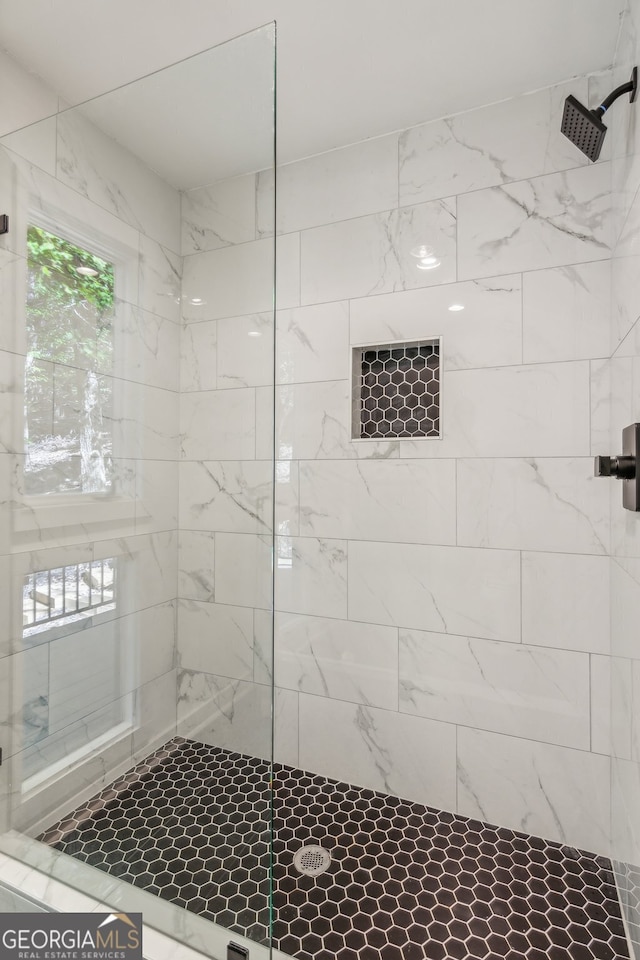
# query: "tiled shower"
[452,641]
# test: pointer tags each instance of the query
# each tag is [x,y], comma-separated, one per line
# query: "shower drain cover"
[312,861]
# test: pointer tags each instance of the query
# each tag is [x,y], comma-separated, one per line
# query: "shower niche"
[396,390]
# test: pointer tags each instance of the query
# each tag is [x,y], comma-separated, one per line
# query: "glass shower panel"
[137,476]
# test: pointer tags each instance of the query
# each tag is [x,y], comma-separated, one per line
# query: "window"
[68,394]
[65,595]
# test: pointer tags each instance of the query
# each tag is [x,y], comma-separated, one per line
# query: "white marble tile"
[15,175]
[367,255]
[12,407]
[626,215]
[601,685]
[633,714]
[33,694]
[337,659]
[86,759]
[287,491]
[625,306]
[263,646]
[539,410]
[511,140]
[198,356]
[285,741]
[156,714]
[245,351]
[608,401]
[620,719]
[311,576]
[157,567]
[233,281]
[338,185]
[288,271]
[235,496]
[546,222]
[565,601]
[486,333]
[313,343]
[147,568]
[36,144]
[313,421]
[156,495]
[24,709]
[444,589]
[218,425]
[243,565]
[215,638]
[196,554]
[85,674]
[409,757]
[625,606]
[11,583]
[13,284]
[10,468]
[399,500]
[232,714]
[549,504]
[145,347]
[10,705]
[507,688]
[34,193]
[625,840]
[145,421]
[160,280]
[265,402]
[219,215]
[550,791]
[41,883]
[566,312]
[618,394]
[98,167]
[149,639]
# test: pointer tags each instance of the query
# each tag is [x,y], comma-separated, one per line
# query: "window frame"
[73,508]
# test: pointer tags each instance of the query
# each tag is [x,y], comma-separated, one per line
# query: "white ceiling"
[347,69]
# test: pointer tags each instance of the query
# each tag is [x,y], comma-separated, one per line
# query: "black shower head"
[585,127]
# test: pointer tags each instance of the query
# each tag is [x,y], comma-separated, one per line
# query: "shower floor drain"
[312,861]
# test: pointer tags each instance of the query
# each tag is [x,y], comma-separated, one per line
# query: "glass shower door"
[137,518]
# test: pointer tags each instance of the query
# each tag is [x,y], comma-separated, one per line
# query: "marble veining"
[547,221]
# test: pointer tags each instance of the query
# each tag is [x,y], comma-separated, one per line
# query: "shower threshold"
[191,824]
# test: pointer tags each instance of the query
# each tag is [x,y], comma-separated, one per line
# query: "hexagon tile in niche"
[405,882]
[396,391]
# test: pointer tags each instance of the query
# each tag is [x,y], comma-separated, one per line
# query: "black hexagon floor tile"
[405,882]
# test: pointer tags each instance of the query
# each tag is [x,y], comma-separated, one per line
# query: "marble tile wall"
[226,476]
[442,606]
[619,375]
[63,691]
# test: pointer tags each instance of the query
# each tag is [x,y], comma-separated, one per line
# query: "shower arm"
[630,86]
